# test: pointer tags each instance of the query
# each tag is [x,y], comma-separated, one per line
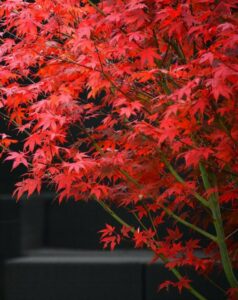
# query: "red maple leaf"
[18,158]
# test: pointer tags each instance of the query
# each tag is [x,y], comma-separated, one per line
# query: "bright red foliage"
[133,101]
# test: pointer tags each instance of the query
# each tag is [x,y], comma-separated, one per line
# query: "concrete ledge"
[62,256]
[52,274]
[76,277]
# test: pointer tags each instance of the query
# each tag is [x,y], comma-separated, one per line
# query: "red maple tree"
[132,103]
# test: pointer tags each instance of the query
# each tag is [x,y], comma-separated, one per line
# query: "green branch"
[218,224]
[177,48]
[176,273]
[202,200]
[190,225]
[101,12]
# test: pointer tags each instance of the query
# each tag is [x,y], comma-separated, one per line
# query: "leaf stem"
[151,221]
[231,234]
[14,122]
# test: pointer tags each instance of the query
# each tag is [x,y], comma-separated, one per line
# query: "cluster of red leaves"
[110,99]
